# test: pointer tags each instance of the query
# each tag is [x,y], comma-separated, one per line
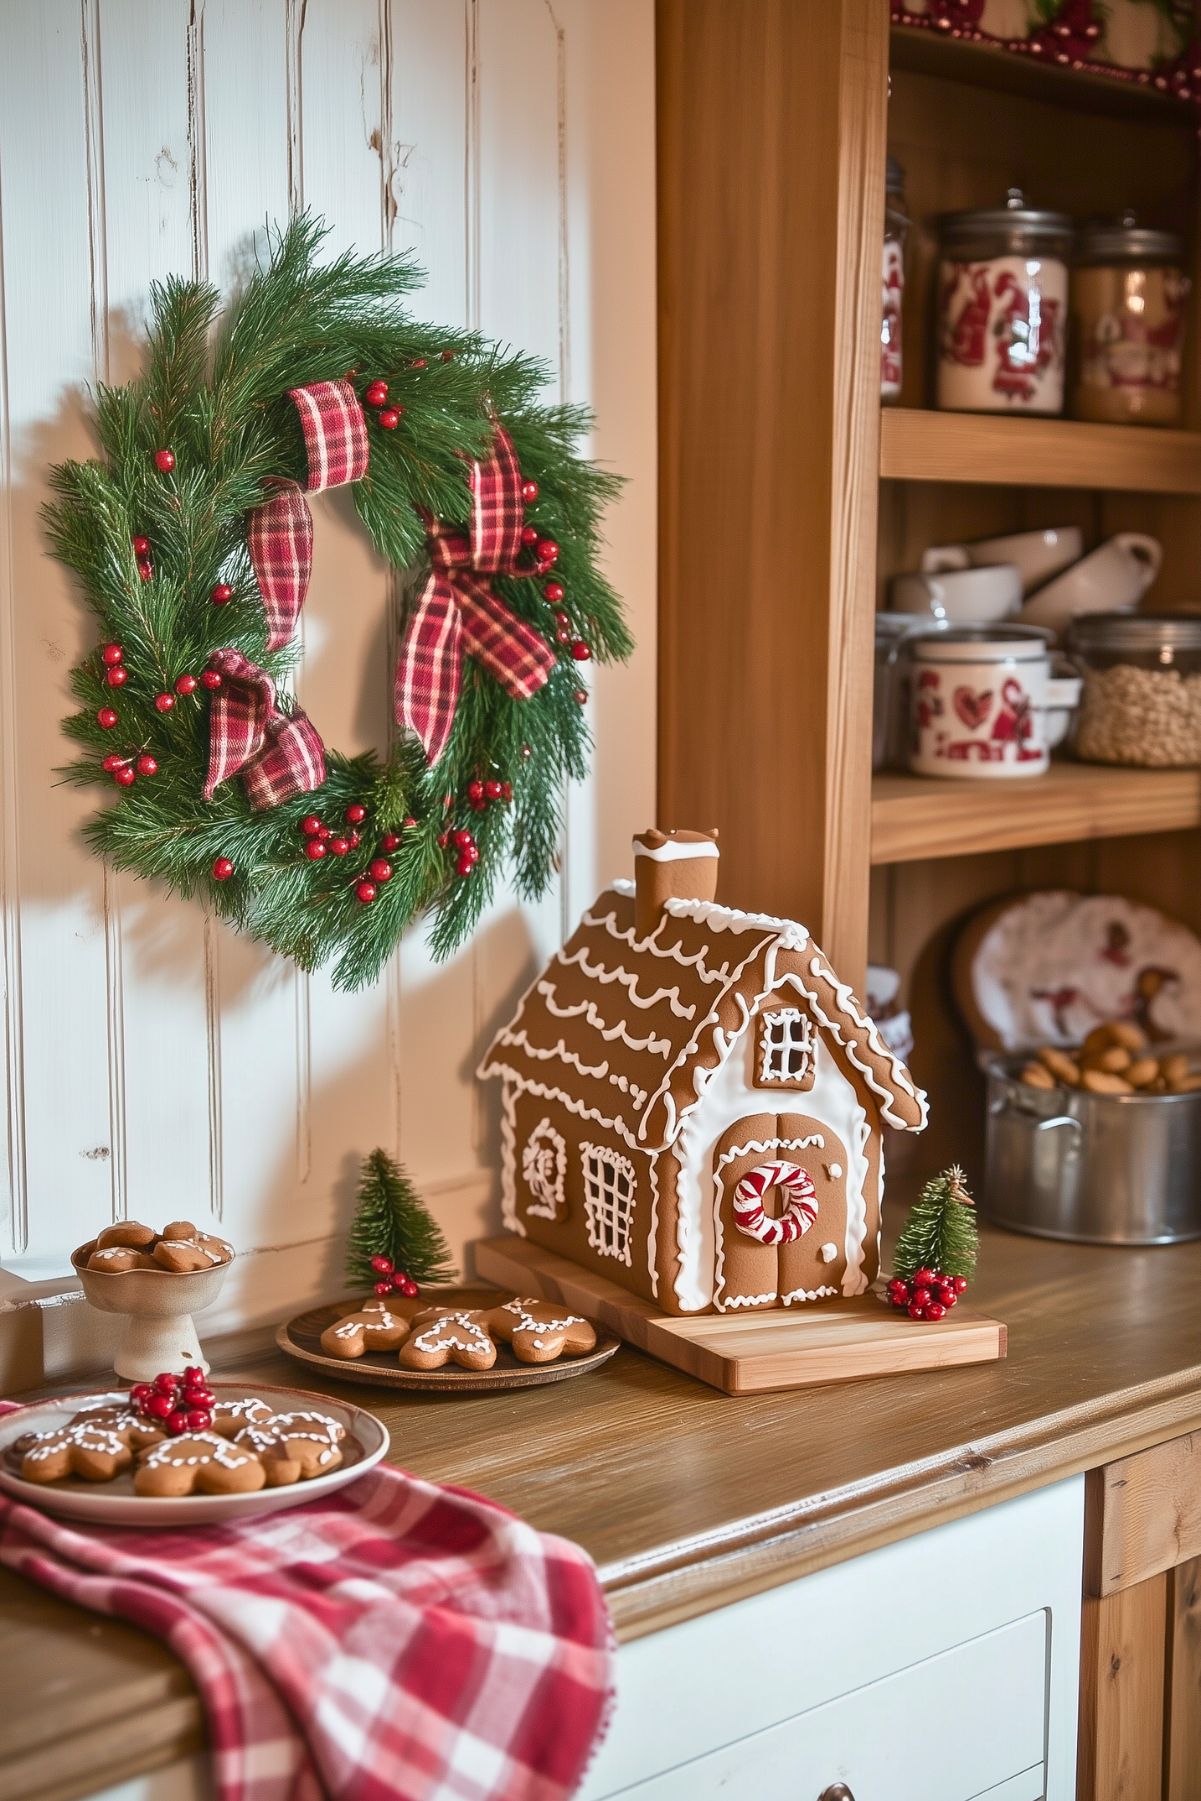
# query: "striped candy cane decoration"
[800,1209]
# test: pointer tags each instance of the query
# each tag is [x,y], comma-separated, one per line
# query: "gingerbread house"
[693,1103]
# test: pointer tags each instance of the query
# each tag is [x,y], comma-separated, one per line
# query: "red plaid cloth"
[396,1642]
[279,534]
[457,612]
[279,755]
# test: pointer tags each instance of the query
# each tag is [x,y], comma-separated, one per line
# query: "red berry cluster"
[481,794]
[321,841]
[141,550]
[376,395]
[391,1279]
[182,1403]
[927,1294]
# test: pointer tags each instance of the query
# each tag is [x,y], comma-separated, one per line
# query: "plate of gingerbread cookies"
[454,1340]
[101,1458]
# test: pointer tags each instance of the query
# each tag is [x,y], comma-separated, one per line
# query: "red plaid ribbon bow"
[279,534]
[457,609]
[278,754]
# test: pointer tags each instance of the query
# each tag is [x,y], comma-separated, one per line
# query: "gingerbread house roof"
[628,1031]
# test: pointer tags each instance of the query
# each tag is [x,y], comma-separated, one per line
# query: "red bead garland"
[389,418]
[164,702]
[125,776]
[222,869]
[112,654]
[314,849]
[210,678]
[529,492]
[380,870]
[365,892]
[221,594]
[116,677]
[375,393]
[186,684]
[107,717]
[147,765]
[355,814]
[164,461]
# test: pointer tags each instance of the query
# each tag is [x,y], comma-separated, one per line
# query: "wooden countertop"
[689,1499]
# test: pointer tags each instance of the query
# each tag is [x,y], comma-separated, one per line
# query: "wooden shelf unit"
[915,817]
[992,450]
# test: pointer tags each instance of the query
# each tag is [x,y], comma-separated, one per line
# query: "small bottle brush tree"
[394,1243]
[936,1251]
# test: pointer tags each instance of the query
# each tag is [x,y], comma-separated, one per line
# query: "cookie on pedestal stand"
[156,1282]
[693,1107]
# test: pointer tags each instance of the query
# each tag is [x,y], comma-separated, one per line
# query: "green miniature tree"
[393,1237]
[940,1232]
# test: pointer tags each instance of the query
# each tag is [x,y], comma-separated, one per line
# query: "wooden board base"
[745,1353]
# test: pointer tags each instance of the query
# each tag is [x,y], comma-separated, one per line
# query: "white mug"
[986,704]
[1111,579]
[961,596]
[1036,556]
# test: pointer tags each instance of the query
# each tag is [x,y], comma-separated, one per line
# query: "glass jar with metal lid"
[1002,308]
[896,230]
[1141,702]
[1129,294]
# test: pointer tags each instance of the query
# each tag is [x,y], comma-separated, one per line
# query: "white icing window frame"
[610,1190]
[551,1202]
[786,1031]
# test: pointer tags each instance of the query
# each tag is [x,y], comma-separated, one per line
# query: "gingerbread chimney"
[671,866]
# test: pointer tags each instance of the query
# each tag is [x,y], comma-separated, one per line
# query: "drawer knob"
[837,1791]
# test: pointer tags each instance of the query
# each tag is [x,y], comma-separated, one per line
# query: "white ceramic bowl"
[115,1504]
[157,1305]
[1036,555]
[984,596]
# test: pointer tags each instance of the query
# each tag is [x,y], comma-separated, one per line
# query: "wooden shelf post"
[771,211]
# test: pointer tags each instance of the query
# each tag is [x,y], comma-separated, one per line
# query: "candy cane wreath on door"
[800,1205]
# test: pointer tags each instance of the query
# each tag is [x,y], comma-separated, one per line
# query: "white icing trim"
[806,1294]
[608,923]
[854,1278]
[659,1047]
[676,850]
[510,1089]
[760,1147]
[652,1246]
[901,1077]
[828,1251]
[600,974]
[548,1092]
[551,1202]
[727,1303]
[787,1016]
[833,1171]
[598,1202]
[519,1041]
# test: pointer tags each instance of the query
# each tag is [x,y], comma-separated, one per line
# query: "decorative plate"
[301,1338]
[115,1504]
[1046,967]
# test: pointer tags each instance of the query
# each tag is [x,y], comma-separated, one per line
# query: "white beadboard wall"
[154,1065]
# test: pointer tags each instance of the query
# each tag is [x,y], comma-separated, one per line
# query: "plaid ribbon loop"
[279,534]
[278,755]
[458,611]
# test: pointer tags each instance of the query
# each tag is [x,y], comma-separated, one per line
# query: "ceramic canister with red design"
[987,702]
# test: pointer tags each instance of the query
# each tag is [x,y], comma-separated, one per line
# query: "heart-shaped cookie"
[971,707]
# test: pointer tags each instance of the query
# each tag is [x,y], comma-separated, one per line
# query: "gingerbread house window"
[786,1048]
[608,1200]
[543,1167]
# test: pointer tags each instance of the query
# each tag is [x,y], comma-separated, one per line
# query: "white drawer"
[813,1649]
[980,1711]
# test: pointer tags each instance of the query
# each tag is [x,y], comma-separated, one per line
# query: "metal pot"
[1093,1168]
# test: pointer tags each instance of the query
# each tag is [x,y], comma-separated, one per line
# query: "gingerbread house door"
[780,1211]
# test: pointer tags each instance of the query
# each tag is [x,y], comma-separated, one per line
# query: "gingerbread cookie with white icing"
[82,1447]
[128,1232]
[198,1462]
[442,1335]
[373,1328]
[185,1253]
[540,1331]
[232,1417]
[295,1447]
[116,1414]
[118,1257]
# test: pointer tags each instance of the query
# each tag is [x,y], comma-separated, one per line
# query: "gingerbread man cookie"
[295,1447]
[441,1335]
[198,1462]
[116,1414]
[231,1417]
[540,1331]
[117,1257]
[82,1447]
[374,1328]
[185,1252]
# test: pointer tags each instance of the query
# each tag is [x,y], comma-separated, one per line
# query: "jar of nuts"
[1141,702]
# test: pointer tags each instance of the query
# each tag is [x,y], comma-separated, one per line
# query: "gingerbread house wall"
[529,1119]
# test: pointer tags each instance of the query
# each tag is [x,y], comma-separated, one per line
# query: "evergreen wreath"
[189,540]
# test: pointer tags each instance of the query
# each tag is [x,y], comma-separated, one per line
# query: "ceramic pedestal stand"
[158,1305]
